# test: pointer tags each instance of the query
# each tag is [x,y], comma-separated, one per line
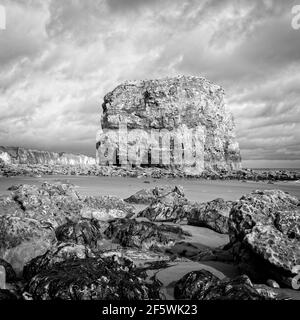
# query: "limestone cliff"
[189,112]
[15,155]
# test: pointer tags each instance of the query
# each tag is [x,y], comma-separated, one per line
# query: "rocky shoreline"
[58,244]
[37,170]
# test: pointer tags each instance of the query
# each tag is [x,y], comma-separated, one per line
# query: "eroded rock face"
[84,232]
[31,214]
[146,235]
[111,278]
[168,207]
[265,235]
[203,285]
[212,215]
[188,113]
[22,239]
[146,196]
[104,208]
[56,254]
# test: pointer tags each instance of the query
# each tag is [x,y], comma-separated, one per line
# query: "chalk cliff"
[16,155]
[179,122]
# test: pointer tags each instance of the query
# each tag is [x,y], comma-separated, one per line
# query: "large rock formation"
[179,122]
[16,155]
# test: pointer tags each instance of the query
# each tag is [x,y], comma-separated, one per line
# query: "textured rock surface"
[265,235]
[147,235]
[85,232]
[190,109]
[57,254]
[168,207]
[22,239]
[30,215]
[105,208]
[203,285]
[212,215]
[146,196]
[16,155]
[111,278]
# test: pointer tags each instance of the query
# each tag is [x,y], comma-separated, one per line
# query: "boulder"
[167,208]
[105,208]
[212,215]
[85,232]
[146,235]
[22,239]
[146,196]
[111,278]
[203,285]
[59,253]
[264,230]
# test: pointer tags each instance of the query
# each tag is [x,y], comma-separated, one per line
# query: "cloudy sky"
[58,59]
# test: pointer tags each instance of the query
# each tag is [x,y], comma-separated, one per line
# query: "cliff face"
[15,155]
[189,112]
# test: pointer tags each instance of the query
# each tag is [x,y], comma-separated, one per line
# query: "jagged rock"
[10,272]
[147,235]
[264,232]
[111,278]
[85,232]
[60,253]
[22,239]
[212,215]
[191,115]
[55,203]
[203,285]
[105,208]
[167,208]
[194,284]
[146,196]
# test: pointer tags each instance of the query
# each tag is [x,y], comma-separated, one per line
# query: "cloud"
[59,58]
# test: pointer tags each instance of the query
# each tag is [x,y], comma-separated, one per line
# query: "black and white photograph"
[149,152]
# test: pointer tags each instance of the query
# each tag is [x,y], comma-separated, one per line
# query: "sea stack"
[179,123]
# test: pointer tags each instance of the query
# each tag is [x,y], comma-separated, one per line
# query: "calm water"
[196,190]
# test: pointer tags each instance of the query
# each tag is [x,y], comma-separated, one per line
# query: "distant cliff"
[15,155]
[189,111]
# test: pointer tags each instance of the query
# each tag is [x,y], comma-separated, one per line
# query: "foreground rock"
[85,232]
[147,235]
[31,214]
[146,196]
[167,208]
[109,278]
[203,285]
[212,215]
[60,253]
[265,235]
[105,208]
[22,239]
